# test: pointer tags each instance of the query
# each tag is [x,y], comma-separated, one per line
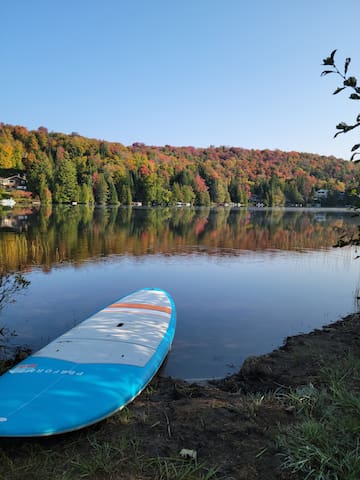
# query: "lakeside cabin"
[322,193]
[15,182]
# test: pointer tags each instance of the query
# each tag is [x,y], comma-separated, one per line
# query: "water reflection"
[76,234]
[10,286]
[242,280]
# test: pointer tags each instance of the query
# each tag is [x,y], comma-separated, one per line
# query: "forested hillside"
[64,168]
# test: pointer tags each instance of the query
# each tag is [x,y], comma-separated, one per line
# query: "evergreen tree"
[113,197]
[44,191]
[203,198]
[148,188]
[237,191]
[66,188]
[292,193]
[101,189]
[125,196]
[86,194]
[275,196]
[188,194]
[219,192]
[176,193]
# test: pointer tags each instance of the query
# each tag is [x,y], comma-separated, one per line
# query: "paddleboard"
[91,371]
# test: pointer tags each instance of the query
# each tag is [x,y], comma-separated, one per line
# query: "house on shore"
[15,182]
[322,193]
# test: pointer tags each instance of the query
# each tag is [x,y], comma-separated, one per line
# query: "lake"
[242,280]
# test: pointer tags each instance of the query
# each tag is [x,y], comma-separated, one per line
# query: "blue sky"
[181,72]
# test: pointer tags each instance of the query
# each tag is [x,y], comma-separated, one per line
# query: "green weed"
[325,444]
[33,463]
[123,417]
[102,457]
[166,468]
[92,456]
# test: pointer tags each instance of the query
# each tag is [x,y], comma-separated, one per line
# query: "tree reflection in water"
[58,234]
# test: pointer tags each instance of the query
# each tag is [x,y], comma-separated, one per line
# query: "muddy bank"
[232,423]
[299,360]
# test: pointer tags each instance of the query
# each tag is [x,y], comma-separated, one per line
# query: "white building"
[322,193]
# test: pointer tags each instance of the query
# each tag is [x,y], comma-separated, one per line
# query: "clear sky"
[181,72]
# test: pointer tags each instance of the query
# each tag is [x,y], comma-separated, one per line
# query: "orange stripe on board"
[141,305]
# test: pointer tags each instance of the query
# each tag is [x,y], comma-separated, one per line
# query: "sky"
[181,72]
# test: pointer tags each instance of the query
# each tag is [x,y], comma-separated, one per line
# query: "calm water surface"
[242,280]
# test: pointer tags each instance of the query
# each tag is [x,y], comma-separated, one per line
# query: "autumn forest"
[61,168]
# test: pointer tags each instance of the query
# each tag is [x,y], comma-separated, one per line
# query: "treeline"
[64,168]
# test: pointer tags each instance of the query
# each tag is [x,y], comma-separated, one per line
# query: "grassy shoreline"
[291,414]
[325,442]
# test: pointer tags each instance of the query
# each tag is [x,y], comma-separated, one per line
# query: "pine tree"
[66,187]
[113,197]
[101,189]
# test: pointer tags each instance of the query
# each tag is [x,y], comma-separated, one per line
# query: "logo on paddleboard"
[34,368]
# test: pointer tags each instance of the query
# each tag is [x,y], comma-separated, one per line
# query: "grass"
[178,469]
[94,455]
[93,458]
[325,443]
[102,457]
[32,463]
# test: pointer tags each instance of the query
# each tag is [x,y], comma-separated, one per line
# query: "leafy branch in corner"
[347,82]
[351,82]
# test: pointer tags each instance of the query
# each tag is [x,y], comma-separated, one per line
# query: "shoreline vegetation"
[51,167]
[291,414]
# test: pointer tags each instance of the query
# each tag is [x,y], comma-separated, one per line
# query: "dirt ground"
[232,423]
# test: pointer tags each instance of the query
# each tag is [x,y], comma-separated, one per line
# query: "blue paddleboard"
[91,371]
